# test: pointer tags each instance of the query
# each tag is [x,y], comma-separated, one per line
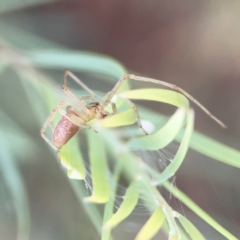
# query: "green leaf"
[197,210]
[11,175]
[25,40]
[11,5]
[190,228]
[171,169]
[152,226]
[129,202]
[90,209]
[163,136]
[109,206]
[119,119]
[156,94]
[79,63]
[215,150]
[202,143]
[77,60]
[16,187]
[71,158]
[99,169]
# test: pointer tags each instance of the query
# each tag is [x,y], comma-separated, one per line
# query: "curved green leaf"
[12,5]
[99,169]
[163,136]
[10,172]
[109,206]
[215,150]
[71,158]
[152,226]
[129,202]
[190,228]
[197,210]
[236,156]
[119,119]
[160,95]
[171,169]
[77,60]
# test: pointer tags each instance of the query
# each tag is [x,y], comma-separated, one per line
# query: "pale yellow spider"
[74,119]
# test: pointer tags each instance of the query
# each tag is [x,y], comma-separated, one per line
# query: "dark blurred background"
[194,44]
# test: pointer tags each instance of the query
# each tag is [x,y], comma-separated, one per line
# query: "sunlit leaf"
[130,200]
[163,136]
[89,62]
[197,210]
[119,119]
[99,169]
[72,159]
[190,228]
[203,144]
[215,150]
[156,94]
[171,169]
[77,60]
[109,206]
[152,226]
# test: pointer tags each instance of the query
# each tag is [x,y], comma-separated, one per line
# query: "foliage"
[142,179]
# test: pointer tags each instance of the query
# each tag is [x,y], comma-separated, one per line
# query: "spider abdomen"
[63,132]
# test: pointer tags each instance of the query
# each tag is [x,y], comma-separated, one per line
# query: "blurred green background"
[194,44]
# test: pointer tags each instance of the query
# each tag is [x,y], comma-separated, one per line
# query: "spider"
[73,119]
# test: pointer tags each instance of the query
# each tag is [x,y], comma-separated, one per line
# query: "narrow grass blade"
[71,158]
[91,209]
[77,60]
[160,95]
[152,226]
[129,202]
[99,169]
[163,136]
[190,228]
[3,65]
[215,150]
[17,138]
[203,144]
[119,119]
[171,169]
[197,210]
[12,143]
[109,206]
[12,5]
[16,187]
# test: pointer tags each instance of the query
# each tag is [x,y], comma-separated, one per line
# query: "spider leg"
[133,106]
[72,95]
[48,122]
[178,89]
[110,95]
[79,82]
[89,98]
